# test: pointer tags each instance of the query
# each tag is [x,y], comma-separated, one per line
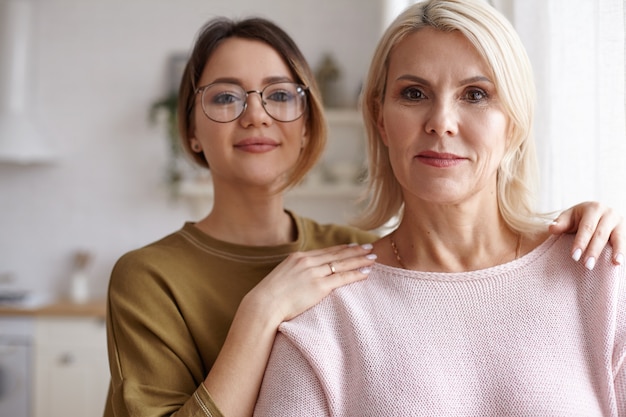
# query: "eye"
[223,94]
[475,95]
[225,98]
[412,93]
[280,95]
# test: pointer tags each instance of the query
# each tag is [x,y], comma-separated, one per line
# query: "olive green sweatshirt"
[170,305]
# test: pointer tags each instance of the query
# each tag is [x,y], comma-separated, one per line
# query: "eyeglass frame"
[305,90]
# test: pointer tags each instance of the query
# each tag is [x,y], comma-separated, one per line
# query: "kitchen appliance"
[15,374]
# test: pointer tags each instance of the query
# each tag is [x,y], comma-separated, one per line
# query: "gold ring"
[332,268]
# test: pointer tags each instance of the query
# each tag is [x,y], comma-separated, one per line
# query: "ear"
[305,136]
[195,145]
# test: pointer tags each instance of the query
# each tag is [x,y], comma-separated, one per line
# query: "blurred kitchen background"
[94,68]
[87,178]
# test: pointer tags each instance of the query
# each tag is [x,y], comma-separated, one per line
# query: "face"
[254,149]
[441,119]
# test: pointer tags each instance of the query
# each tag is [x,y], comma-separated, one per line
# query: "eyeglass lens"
[225,102]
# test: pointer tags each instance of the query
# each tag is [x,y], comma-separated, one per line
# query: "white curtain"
[577,49]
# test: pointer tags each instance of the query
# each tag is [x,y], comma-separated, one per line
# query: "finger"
[563,223]
[342,253]
[347,277]
[344,250]
[582,219]
[300,261]
[597,242]
[349,264]
[618,241]
[604,233]
[583,214]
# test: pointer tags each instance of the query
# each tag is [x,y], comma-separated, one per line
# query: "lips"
[439,159]
[257,145]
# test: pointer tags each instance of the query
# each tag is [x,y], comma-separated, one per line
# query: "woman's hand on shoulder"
[595,225]
[304,278]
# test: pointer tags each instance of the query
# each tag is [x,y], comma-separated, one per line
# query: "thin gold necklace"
[518,249]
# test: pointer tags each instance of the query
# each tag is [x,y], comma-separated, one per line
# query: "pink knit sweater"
[539,336]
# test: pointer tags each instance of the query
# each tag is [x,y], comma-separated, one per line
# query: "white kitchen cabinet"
[71,367]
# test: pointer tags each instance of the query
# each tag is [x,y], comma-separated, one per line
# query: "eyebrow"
[265,81]
[470,80]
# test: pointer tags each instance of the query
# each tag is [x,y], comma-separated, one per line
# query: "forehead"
[429,50]
[244,59]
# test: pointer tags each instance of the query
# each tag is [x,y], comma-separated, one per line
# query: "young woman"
[192,317]
[472,308]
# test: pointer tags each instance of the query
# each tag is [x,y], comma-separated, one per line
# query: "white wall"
[97,67]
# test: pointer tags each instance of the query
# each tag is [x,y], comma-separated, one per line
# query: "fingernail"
[353,244]
[591,262]
[577,254]
[619,259]
[371,256]
[367,246]
[365,270]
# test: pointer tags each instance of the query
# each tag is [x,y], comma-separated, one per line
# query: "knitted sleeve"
[619,352]
[290,386]
[620,390]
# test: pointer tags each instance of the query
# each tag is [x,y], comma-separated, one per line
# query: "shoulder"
[155,259]
[316,235]
[152,252]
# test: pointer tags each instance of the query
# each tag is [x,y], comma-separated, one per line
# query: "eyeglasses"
[225,102]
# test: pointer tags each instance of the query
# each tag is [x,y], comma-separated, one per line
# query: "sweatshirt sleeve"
[290,386]
[155,368]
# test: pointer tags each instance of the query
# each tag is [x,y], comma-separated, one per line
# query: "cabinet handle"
[66,359]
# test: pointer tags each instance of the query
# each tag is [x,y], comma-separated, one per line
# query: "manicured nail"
[365,270]
[619,259]
[591,262]
[367,246]
[577,254]
[371,256]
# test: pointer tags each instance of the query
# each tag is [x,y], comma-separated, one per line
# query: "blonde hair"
[209,38]
[497,42]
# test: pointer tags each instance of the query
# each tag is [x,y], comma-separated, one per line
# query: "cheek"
[398,126]
[295,134]
[388,124]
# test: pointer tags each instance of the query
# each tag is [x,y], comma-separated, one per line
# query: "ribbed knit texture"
[539,336]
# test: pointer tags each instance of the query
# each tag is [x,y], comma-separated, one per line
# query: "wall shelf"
[204,190]
[349,116]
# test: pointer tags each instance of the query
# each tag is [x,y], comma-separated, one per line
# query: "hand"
[596,224]
[304,278]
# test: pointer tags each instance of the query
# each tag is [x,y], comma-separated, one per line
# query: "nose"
[254,113]
[442,118]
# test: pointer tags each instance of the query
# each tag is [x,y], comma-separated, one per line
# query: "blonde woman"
[472,307]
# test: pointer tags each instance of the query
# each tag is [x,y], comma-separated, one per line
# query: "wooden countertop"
[92,308]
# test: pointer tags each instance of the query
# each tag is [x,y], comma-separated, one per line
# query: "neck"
[450,240]
[249,218]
